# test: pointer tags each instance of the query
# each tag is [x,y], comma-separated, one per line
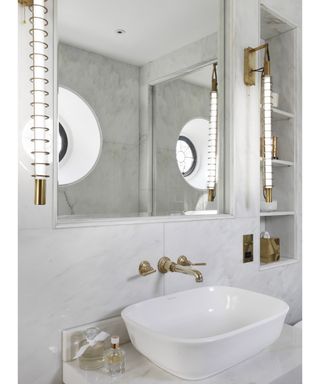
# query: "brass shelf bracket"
[250,66]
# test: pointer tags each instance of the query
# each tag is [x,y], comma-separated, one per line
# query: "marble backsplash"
[80,275]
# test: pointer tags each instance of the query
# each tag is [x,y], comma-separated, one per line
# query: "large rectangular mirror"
[140,108]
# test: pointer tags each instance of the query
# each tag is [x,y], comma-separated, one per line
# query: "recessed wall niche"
[281,35]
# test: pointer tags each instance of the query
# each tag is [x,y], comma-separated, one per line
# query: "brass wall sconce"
[38,34]
[250,66]
[250,70]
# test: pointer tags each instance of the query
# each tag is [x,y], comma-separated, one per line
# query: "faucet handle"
[183,260]
[145,268]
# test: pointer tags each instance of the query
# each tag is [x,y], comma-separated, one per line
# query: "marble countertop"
[279,363]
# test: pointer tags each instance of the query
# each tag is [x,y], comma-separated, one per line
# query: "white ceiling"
[154,27]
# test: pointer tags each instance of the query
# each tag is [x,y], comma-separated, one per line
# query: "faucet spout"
[166,265]
[188,271]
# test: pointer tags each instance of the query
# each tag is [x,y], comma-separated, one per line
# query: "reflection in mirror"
[186,155]
[134,107]
[181,111]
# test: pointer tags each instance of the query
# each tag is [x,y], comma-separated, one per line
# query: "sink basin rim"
[209,339]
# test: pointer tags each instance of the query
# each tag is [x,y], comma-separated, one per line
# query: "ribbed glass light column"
[213,137]
[267,126]
[39,69]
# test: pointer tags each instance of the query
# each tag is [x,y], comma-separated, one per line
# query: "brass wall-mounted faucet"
[182,266]
[146,269]
[183,260]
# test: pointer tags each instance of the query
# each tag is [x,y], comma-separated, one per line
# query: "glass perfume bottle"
[115,358]
[93,349]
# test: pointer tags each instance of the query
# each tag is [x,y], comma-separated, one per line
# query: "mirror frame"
[225,191]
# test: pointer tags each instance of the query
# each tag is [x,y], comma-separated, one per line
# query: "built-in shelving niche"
[282,38]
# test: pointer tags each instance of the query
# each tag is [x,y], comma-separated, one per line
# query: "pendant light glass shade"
[39,81]
[213,137]
[267,127]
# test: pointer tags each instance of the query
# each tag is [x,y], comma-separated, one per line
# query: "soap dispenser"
[92,352]
[115,358]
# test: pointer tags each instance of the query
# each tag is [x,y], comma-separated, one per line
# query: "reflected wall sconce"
[250,79]
[213,136]
[38,34]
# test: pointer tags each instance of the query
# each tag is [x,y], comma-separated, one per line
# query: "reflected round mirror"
[186,156]
[192,152]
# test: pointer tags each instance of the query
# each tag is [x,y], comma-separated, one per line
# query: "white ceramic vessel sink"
[197,333]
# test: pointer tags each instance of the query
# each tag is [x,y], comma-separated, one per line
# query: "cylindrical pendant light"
[213,137]
[267,128]
[39,81]
[249,79]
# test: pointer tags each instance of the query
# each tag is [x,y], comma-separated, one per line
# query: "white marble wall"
[70,277]
[73,276]
[111,88]
[289,9]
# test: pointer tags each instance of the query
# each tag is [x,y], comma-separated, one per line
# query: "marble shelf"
[278,114]
[282,163]
[279,163]
[283,261]
[281,362]
[277,213]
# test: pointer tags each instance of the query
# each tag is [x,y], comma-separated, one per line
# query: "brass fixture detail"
[267,194]
[145,268]
[183,260]
[250,64]
[166,265]
[214,79]
[211,194]
[40,191]
[275,152]
[275,147]
[247,248]
[26,3]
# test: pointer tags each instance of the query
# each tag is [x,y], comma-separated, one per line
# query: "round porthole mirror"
[62,142]
[79,139]
[192,152]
